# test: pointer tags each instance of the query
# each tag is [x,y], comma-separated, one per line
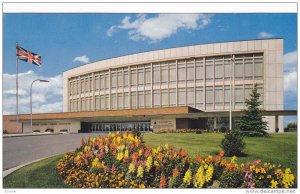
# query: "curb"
[13,169]
[25,135]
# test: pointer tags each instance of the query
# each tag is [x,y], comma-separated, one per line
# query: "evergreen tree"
[251,123]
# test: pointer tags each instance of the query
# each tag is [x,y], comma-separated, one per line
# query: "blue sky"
[62,38]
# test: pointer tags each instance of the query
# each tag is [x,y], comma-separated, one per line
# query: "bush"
[123,161]
[233,143]
[36,131]
[63,130]
[231,179]
[5,132]
[291,127]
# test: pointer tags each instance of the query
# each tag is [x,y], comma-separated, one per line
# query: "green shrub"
[231,179]
[233,143]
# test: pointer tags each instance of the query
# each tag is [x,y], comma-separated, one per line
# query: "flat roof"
[139,114]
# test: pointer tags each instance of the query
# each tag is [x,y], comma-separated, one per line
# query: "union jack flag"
[28,56]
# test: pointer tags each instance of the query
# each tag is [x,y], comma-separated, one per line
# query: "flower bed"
[123,161]
[180,131]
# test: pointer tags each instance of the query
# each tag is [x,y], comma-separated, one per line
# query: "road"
[20,150]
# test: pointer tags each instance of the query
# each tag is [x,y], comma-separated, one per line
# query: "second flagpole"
[17,94]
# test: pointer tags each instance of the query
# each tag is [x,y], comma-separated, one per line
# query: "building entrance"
[110,127]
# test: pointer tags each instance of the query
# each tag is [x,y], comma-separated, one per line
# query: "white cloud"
[290,72]
[82,59]
[161,26]
[265,35]
[46,97]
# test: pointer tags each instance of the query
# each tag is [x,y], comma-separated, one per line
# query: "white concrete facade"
[196,76]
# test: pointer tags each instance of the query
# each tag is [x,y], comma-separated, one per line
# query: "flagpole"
[17,95]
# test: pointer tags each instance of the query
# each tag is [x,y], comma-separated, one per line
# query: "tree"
[252,123]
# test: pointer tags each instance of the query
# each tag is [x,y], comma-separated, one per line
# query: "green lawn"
[278,149]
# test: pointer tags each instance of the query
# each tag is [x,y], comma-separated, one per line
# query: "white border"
[213,7]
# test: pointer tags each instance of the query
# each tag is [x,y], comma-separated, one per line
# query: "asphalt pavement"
[20,150]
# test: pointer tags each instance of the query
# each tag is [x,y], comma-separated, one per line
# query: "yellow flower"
[166,146]
[120,156]
[149,163]
[156,163]
[209,173]
[251,168]
[95,162]
[262,170]
[242,165]
[199,179]
[140,171]
[140,152]
[233,159]
[187,177]
[106,149]
[142,186]
[287,170]
[274,184]
[126,154]
[131,168]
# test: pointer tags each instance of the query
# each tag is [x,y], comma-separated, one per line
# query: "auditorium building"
[176,88]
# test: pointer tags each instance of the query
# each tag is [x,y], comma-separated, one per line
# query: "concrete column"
[215,123]
[276,121]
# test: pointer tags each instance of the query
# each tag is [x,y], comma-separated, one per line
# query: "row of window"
[248,67]
[194,97]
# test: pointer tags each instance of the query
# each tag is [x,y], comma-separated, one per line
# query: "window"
[190,97]
[133,77]
[164,74]
[107,82]
[107,103]
[97,83]
[219,70]
[172,97]
[91,84]
[75,105]
[227,95]
[141,77]
[181,72]
[238,69]
[199,97]
[156,98]
[227,73]
[219,96]
[172,73]
[114,101]
[82,85]
[133,100]
[126,100]
[120,79]
[97,102]
[148,99]
[82,105]
[125,79]
[120,101]
[87,104]
[102,102]
[209,95]
[209,70]
[164,98]
[141,99]
[102,82]
[190,71]
[156,74]
[113,80]
[248,70]
[148,76]
[199,70]
[238,95]
[248,91]
[181,97]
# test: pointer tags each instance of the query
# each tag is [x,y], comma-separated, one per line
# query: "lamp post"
[230,108]
[40,80]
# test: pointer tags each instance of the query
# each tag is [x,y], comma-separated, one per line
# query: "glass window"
[87,104]
[102,82]
[172,96]
[102,102]
[156,74]
[199,96]
[209,95]
[239,95]
[141,100]
[133,100]
[190,97]
[209,70]
[97,83]
[113,80]
[148,76]
[181,72]
[172,74]
[248,70]
[190,72]
[107,102]
[107,81]
[164,98]
[164,74]
[219,96]
[148,99]
[238,69]
[141,77]
[120,101]
[97,102]
[227,73]
[181,97]
[126,100]
[156,98]
[227,95]
[114,101]
[120,79]
[219,72]
[125,78]
[133,77]
[199,70]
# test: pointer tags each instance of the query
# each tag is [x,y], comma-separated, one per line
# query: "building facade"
[199,76]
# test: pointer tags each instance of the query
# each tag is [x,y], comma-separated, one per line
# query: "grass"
[278,149]
[41,174]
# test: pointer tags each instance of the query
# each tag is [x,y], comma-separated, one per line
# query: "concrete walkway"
[23,149]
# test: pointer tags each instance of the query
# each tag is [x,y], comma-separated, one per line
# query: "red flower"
[175,172]
[221,153]
[135,156]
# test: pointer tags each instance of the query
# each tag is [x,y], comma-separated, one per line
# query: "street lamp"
[40,80]
[230,108]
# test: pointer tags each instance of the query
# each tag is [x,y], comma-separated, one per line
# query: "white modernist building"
[197,76]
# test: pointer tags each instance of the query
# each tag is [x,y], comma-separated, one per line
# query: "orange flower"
[135,156]
[199,159]
[221,153]
[175,172]
[162,182]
